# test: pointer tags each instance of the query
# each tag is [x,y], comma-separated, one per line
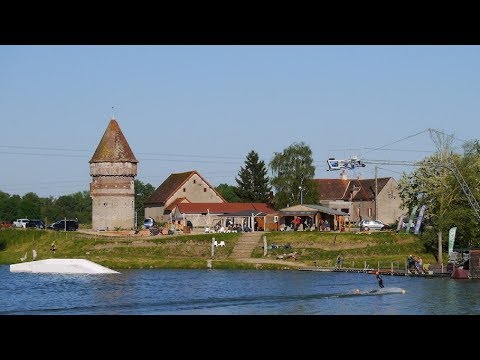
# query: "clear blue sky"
[204,108]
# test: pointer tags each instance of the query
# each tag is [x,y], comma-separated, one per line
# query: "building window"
[194,181]
[370,212]
[204,189]
[345,211]
[184,190]
[104,204]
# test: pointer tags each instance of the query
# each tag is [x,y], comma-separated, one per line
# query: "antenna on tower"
[113,113]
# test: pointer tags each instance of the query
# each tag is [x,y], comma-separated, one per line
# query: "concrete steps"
[245,245]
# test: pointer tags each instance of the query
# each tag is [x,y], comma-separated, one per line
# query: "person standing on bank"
[339,262]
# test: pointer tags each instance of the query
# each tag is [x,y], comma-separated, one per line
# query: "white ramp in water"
[62,266]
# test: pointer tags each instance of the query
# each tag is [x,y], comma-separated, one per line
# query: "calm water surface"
[232,292]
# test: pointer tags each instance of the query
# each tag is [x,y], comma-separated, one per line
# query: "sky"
[205,108]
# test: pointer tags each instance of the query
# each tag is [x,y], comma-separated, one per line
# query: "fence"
[362,265]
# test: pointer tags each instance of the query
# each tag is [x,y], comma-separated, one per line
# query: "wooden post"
[264,245]
[378,265]
[406,270]
[365,265]
[213,246]
[392,267]
[209,264]
[353,266]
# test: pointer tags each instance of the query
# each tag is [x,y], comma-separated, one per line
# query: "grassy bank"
[193,251]
[179,251]
[357,249]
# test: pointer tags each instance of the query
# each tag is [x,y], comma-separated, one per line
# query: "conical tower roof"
[113,147]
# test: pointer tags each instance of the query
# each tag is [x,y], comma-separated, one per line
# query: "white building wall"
[389,203]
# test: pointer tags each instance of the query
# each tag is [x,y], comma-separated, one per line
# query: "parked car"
[69,225]
[35,223]
[372,225]
[20,223]
[148,223]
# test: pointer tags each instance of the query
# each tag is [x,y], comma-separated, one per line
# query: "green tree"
[471,148]
[5,212]
[142,192]
[228,192]
[433,184]
[252,180]
[293,173]
[14,206]
[47,210]
[31,205]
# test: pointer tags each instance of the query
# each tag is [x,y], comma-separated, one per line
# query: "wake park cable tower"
[442,142]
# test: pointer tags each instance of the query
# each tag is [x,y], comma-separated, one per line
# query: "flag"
[451,239]
[419,219]
[410,221]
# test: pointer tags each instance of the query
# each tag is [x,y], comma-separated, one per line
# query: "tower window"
[194,181]
[204,189]
[104,204]
[184,190]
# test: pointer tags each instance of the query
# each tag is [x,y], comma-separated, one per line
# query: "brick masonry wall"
[113,197]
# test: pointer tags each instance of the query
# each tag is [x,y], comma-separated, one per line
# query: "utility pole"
[376,193]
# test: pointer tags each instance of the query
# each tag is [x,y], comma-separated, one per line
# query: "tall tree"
[433,184]
[5,212]
[31,205]
[252,180]
[142,192]
[293,173]
[228,192]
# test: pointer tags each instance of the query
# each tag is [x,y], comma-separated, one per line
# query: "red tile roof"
[367,186]
[113,146]
[331,189]
[223,208]
[339,189]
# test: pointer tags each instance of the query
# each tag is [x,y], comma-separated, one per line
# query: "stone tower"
[113,168]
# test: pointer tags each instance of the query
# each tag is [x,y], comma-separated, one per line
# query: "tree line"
[49,209]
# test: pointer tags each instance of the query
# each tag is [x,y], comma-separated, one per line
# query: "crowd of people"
[306,224]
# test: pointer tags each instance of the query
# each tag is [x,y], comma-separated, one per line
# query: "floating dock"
[394,272]
[62,266]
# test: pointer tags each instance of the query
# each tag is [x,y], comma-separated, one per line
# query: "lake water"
[232,292]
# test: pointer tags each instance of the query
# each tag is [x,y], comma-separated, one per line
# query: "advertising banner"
[451,239]
[410,220]
[419,219]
